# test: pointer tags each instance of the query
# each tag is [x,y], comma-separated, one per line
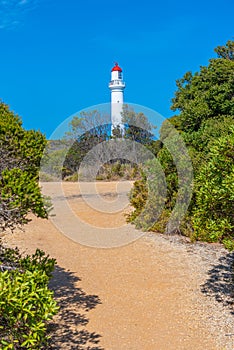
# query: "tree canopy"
[205,102]
[136,126]
[88,129]
[207,93]
[20,155]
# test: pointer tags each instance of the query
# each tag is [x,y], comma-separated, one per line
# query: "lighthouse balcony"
[116,83]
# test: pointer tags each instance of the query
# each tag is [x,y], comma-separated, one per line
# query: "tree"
[212,214]
[208,93]
[205,101]
[226,51]
[93,122]
[26,303]
[20,155]
[86,131]
[117,132]
[137,126]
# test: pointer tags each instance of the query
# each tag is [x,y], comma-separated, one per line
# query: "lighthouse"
[116,87]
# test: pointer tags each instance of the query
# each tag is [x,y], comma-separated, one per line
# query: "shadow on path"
[68,329]
[220,283]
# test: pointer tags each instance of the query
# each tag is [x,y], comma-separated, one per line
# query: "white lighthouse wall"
[116,86]
[115,75]
[116,109]
[117,96]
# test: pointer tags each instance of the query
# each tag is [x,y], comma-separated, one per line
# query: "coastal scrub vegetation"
[20,154]
[90,131]
[205,121]
[26,302]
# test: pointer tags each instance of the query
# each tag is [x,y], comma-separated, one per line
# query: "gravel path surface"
[156,292]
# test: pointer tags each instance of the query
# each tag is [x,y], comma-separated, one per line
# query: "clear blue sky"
[56,56]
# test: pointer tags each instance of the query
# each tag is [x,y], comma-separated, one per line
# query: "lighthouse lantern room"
[117,87]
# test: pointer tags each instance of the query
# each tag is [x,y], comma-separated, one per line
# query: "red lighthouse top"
[116,68]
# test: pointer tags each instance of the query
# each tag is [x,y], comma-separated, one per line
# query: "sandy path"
[144,295]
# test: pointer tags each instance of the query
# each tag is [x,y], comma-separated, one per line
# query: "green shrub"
[26,303]
[116,170]
[138,197]
[44,177]
[24,192]
[161,224]
[205,123]
[20,155]
[214,194]
[72,178]
[148,196]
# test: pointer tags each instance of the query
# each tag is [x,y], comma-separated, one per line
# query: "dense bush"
[138,198]
[89,130]
[212,215]
[26,303]
[20,155]
[206,124]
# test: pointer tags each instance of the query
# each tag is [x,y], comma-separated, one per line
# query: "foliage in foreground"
[212,215]
[20,155]
[205,101]
[26,303]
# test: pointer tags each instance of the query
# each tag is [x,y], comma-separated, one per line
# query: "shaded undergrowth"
[220,283]
[69,328]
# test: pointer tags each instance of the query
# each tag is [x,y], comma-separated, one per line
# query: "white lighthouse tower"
[117,87]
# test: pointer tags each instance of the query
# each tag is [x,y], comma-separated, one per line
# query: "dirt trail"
[143,295]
